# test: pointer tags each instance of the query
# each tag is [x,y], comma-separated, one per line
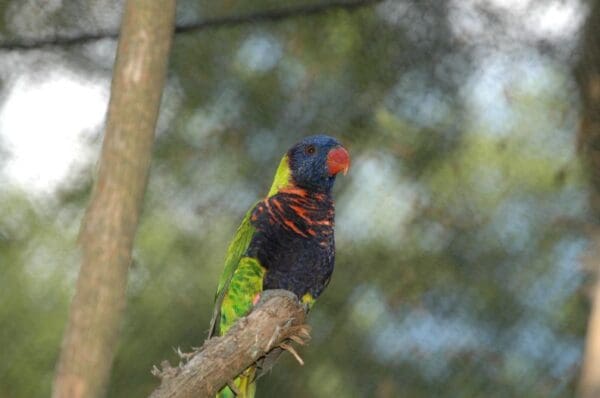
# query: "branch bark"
[111,220]
[212,23]
[276,318]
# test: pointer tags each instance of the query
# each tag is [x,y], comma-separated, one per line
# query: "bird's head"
[312,164]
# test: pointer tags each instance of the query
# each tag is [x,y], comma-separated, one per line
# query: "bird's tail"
[244,384]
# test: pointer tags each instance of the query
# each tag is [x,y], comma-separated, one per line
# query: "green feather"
[241,241]
[245,284]
[241,281]
[283,177]
[237,248]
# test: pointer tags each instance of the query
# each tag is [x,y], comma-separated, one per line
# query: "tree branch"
[212,23]
[276,318]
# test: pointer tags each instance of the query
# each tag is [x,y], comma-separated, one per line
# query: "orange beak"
[338,160]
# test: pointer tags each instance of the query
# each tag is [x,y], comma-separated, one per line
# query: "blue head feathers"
[316,160]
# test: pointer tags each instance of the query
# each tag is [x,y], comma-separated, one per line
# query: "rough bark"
[276,318]
[588,76]
[111,220]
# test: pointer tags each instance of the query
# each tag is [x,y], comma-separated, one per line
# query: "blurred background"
[462,226]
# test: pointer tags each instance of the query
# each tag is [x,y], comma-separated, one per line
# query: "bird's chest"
[295,243]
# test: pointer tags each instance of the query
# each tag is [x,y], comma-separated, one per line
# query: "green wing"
[247,272]
[236,250]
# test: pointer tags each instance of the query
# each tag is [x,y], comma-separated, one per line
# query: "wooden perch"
[276,319]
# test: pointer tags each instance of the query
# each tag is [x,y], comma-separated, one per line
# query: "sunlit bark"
[588,75]
[109,226]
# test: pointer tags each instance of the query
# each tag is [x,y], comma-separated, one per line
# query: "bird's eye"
[310,149]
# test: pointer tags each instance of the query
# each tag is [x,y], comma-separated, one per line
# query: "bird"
[285,241]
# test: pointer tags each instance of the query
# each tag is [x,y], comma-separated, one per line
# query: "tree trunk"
[111,220]
[588,76]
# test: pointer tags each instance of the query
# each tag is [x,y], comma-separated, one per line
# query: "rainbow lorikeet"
[284,242]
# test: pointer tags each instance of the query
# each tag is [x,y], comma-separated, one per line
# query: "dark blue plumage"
[296,247]
[308,163]
[294,238]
